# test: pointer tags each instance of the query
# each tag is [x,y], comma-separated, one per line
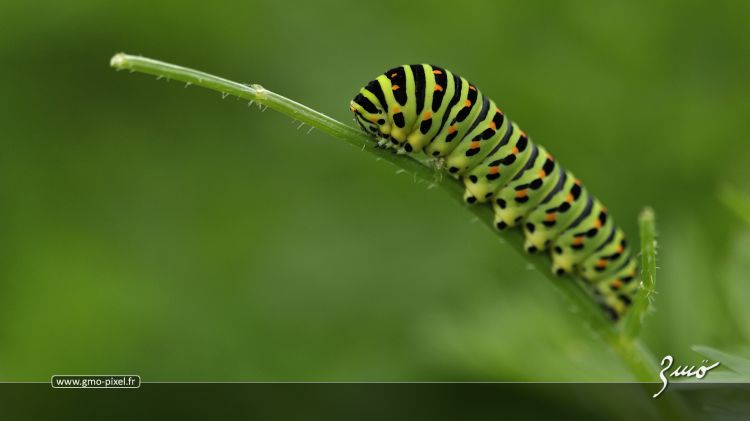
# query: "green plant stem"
[264,97]
[642,301]
[630,350]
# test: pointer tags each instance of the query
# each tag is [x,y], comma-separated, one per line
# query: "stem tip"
[647,214]
[118,61]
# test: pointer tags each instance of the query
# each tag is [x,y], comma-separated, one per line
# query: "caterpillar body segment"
[615,292]
[527,189]
[579,240]
[502,164]
[554,214]
[607,259]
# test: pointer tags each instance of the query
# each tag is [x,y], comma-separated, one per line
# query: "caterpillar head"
[370,117]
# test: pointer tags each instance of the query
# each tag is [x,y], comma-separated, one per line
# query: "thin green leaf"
[733,362]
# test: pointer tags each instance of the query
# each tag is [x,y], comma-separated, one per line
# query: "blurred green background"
[150,229]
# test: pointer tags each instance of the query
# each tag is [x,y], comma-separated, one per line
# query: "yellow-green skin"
[420,107]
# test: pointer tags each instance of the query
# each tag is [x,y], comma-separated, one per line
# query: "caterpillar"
[424,108]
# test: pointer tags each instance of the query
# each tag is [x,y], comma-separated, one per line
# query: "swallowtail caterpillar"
[423,108]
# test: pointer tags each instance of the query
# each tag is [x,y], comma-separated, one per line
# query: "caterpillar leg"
[556,212]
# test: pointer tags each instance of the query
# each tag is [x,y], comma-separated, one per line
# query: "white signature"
[682,371]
